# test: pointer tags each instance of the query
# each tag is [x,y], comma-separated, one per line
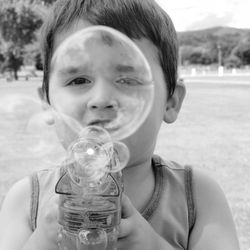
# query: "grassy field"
[212,133]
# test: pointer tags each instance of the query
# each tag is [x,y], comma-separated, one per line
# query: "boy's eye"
[79,81]
[129,82]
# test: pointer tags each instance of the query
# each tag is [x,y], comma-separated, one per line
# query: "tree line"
[20,21]
[226,46]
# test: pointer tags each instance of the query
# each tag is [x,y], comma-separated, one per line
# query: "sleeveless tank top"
[170,211]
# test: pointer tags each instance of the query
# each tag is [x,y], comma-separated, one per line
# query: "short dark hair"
[135,18]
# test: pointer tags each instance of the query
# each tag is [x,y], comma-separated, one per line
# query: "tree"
[233,61]
[13,62]
[48,1]
[18,23]
[195,55]
[243,52]
[38,62]
[1,62]
[43,2]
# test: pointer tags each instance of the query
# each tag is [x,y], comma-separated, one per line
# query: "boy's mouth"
[109,125]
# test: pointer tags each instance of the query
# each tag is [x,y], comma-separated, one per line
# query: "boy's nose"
[103,97]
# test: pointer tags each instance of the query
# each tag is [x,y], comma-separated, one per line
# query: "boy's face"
[99,103]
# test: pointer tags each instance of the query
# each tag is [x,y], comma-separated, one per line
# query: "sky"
[200,14]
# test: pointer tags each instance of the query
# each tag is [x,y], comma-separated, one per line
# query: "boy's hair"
[135,18]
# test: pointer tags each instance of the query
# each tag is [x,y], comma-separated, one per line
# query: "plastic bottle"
[90,199]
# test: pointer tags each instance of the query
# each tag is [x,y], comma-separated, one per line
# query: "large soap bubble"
[101,56]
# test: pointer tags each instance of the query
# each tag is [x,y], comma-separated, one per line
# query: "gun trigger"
[63,186]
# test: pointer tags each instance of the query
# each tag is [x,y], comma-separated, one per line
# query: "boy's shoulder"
[210,204]
[18,196]
[170,165]
[45,175]
[195,181]
[199,177]
[19,189]
[44,180]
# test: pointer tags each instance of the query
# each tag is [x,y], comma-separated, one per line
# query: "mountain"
[202,46]
[213,34]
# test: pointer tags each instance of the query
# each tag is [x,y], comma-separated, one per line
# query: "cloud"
[211,20]
[200,14]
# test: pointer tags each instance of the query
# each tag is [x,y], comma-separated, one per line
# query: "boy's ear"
[42,97]
[40,93]
[49,119]
[174,103]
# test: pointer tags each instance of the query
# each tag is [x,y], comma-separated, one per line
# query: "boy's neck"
[139,182]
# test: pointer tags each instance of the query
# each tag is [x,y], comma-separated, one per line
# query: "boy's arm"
[214,227]
[14,216]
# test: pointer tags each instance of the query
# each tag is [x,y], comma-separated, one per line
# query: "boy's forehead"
[102,58]
[63,34]
[68,66]
[106,54]
[107,49]
[146,46]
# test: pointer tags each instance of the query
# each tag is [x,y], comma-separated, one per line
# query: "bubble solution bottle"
[90,198]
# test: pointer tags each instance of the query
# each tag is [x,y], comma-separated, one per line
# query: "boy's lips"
[97,122]
[106,124]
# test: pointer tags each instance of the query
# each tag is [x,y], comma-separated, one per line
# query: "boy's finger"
[127,207]
[125,228]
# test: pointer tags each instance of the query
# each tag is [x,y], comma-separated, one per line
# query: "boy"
[165,206]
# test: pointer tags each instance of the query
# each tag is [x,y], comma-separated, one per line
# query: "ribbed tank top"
[170,211]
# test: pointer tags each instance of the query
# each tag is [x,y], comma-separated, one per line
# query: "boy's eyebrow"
[71,70]
[124,68]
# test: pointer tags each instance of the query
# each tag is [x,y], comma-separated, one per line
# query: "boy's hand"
[46,234]
[135,233]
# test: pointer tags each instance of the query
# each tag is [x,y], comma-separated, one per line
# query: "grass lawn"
[212,133]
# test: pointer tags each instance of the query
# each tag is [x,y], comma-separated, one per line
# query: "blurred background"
[213,129]
[211,34]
